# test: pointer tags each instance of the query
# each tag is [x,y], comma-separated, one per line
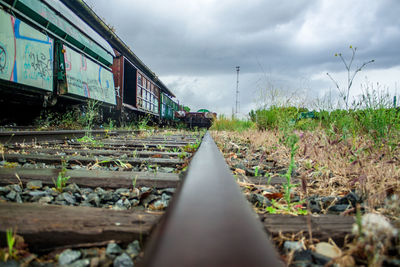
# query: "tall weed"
[225,124]
[276,117]
[374,118]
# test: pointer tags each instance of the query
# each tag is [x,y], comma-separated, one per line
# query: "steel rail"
[36,136]
[209,222]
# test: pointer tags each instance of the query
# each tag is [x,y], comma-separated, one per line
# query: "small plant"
[269,177]
[12,252]
[134,182]
[90,114]
[153,168]
[292,140]
[142,125]
[46,120]
[191,148]
[92,111]
[295,209]
[345,92]
[2,151]
[62,179]
[301,211]
[10,165]
[88,139]
[182,155]
[184,169]
[175,150]
[271,210]
[110,126]
[122,164]
[160,147]
[256,174]
[117,162]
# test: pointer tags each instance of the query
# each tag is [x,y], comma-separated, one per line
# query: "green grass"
[71,118]
[374,113]
[62,178]
[225,124]
[276,117]
[143,123]
[12,253]
[89,140]
[380,123]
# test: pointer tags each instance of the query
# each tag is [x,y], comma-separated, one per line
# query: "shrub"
[277,117]
[225,124]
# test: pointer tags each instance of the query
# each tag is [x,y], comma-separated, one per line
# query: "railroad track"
[122,188]
[22,135]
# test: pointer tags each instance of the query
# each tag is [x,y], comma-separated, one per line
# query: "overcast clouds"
[194,46]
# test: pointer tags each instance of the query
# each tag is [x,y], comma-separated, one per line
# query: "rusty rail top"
[209,222]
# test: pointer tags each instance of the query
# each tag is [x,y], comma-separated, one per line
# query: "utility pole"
[237,89]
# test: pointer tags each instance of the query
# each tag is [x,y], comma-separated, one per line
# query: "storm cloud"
[194,46]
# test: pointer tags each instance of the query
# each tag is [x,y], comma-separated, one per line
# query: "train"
[59,53]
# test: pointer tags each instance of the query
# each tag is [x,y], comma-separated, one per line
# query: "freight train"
[51,57]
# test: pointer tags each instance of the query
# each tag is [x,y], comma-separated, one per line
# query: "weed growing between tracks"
[11,252]
[62,178]
[292,140]
[142,125]
[73,118]
[90,114]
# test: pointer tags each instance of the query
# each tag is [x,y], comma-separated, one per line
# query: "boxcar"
[47,53]
[136,91]
[169,107]
[137,87]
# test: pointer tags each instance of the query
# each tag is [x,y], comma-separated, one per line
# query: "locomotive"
[51,57]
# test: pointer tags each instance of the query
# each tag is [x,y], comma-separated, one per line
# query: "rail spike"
[209,222]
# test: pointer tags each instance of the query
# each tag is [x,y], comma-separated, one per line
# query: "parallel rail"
[38,136]
[146,173]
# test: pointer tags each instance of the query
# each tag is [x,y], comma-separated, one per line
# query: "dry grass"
[329,165]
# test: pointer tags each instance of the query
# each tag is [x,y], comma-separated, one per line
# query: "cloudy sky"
[284,48]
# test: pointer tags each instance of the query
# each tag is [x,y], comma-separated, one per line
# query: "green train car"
[168,109]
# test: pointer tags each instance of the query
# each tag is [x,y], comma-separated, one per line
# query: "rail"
[29,136]
[209,222]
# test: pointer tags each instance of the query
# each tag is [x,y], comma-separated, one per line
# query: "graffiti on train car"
[39,62]
[26,55]
[40,8]
[88,79]
[3,58]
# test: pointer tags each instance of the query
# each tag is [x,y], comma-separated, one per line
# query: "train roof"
[80,24]
[55,18]
[81,9]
